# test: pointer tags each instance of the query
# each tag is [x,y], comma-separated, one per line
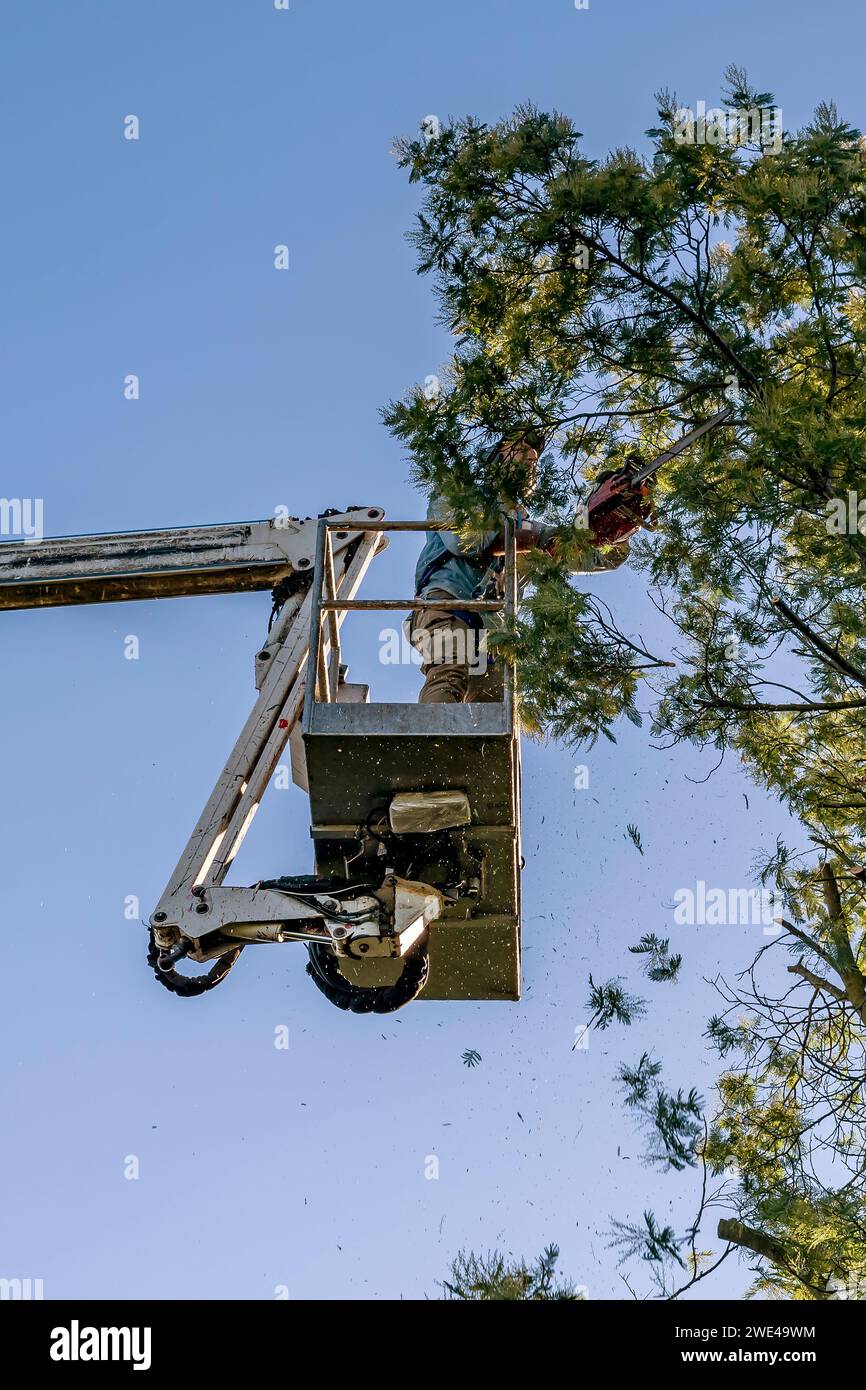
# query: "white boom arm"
[161,564]
[196,916]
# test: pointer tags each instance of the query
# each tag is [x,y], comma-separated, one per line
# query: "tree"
[791,1122]
[597,301]
[478,1278]
[785,1149]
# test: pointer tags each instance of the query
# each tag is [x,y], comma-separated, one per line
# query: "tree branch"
[819,707]
[828,652]
[819,983]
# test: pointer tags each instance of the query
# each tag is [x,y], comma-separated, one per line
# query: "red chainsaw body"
[619,508]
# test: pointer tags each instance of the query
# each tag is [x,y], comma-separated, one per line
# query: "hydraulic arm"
[196,916]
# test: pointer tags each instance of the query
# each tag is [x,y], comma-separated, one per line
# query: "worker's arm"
[438,511]
[535,536]
[632,512]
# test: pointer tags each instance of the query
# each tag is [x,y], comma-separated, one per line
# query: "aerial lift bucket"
[379,774]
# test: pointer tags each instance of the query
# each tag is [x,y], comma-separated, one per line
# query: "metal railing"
[322,688]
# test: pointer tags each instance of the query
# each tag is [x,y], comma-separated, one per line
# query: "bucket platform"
[359,755]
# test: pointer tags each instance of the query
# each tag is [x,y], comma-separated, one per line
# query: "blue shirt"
[446,563]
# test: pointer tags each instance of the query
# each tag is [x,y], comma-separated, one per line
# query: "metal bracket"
[387,923]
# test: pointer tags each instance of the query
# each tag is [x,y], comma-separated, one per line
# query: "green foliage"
[639,1082]
[660,964]
[725,1037]
[612,303]
[673,1122]
[577,675]
[609,1002]
[479,1278]
[647,1241]
[471,1057]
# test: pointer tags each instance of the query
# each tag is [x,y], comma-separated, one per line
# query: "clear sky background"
[261,389]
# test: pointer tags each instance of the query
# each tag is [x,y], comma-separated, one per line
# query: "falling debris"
[634,836]
[660,964]
[471,1058]
[609,1002]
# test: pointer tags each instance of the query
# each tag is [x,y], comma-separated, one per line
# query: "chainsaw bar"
[682,443]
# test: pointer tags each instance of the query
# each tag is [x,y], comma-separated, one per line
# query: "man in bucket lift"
[452,644]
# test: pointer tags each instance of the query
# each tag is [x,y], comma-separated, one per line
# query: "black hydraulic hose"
[378,999]
[188,986]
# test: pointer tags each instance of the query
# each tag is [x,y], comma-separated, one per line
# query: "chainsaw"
[622,502]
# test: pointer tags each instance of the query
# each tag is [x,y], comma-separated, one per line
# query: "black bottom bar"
[248,1338]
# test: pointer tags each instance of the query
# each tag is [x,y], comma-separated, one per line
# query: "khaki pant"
[454,658]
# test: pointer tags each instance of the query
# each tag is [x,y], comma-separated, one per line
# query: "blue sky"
[303,1168]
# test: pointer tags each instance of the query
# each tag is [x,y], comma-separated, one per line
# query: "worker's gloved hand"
[530,535]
